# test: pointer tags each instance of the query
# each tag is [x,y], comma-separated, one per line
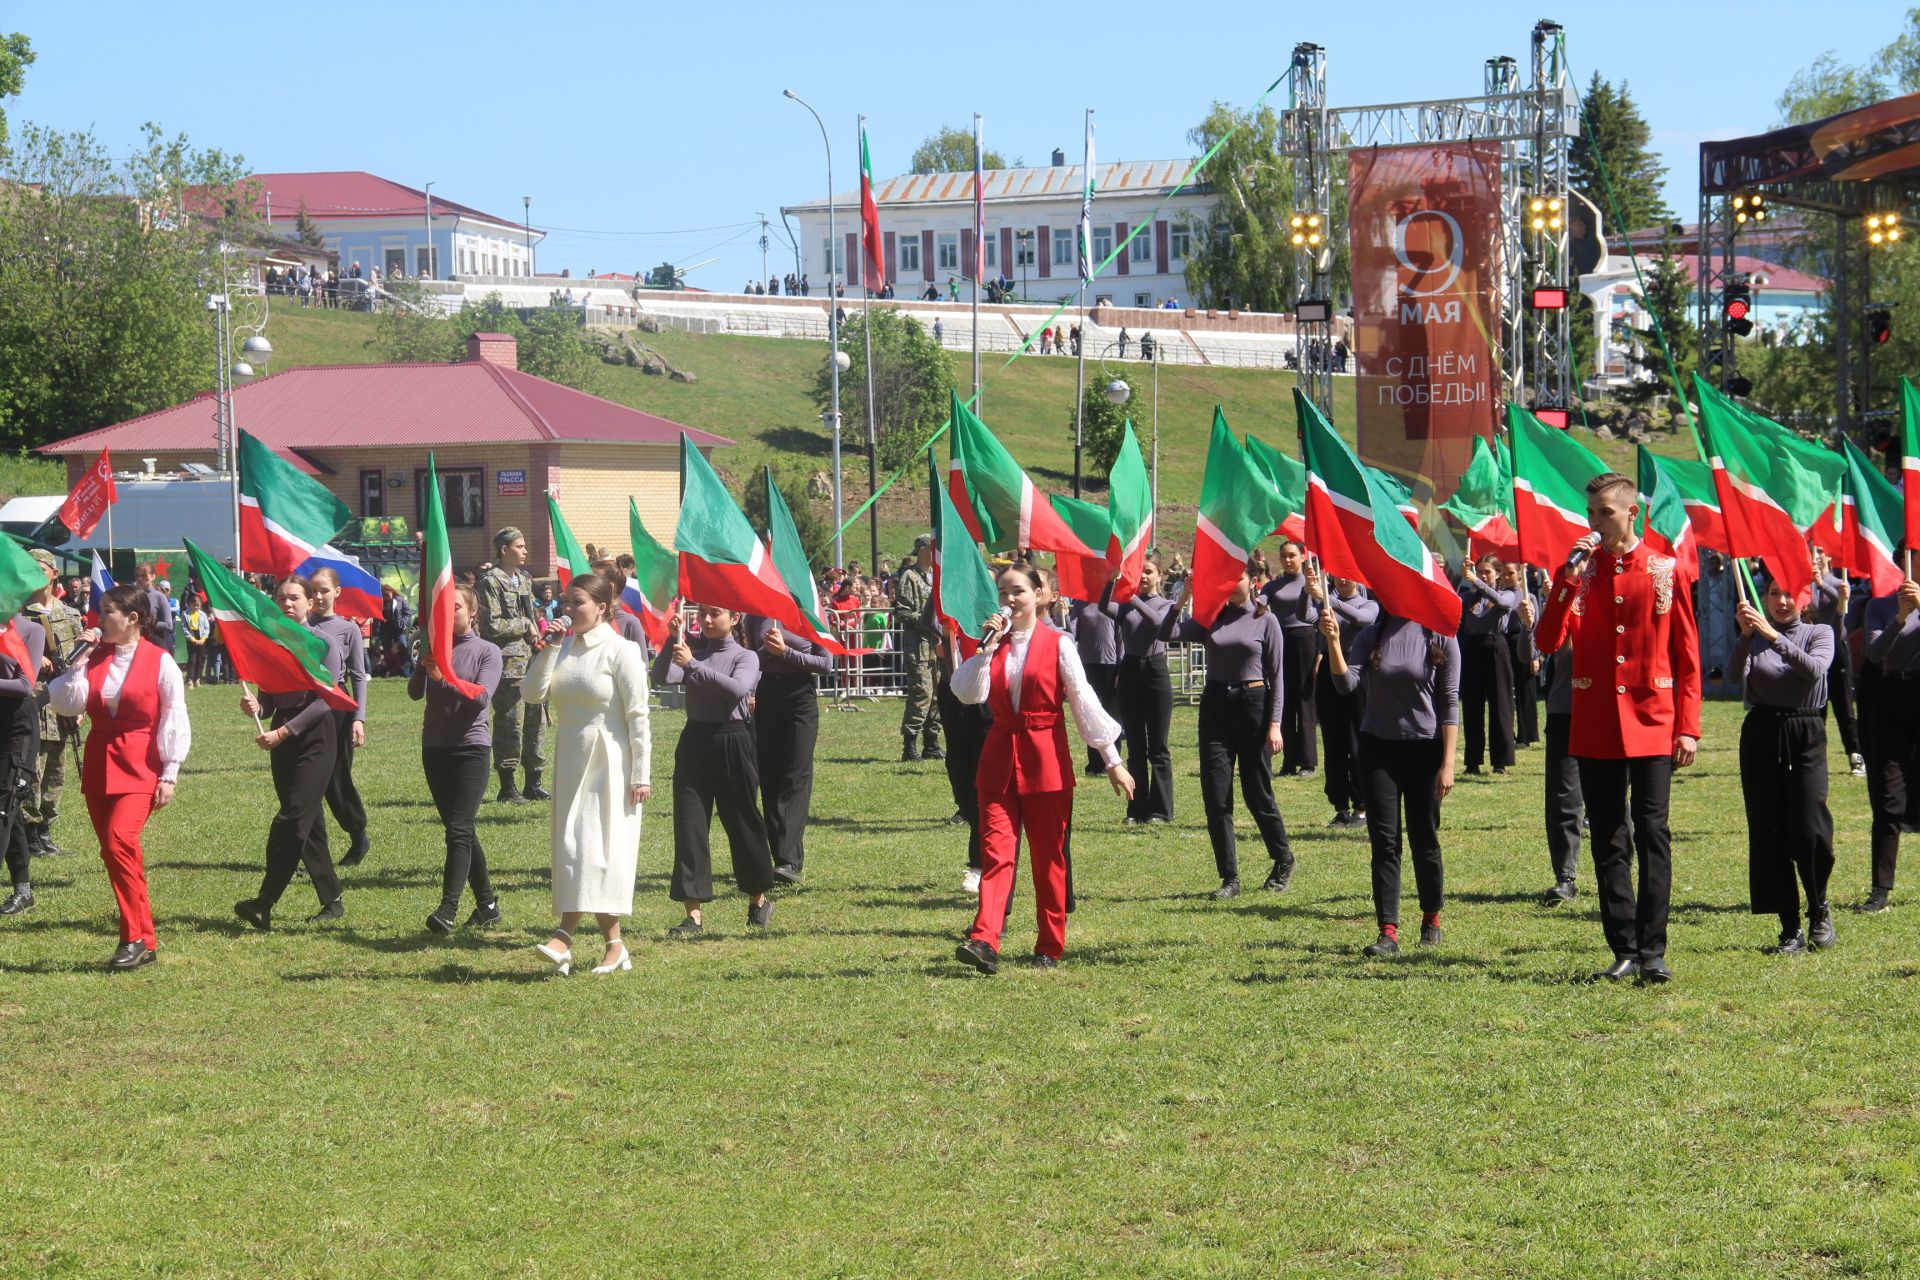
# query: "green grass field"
[1202,1089]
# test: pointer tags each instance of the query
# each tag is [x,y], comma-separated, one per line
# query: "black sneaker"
[1563,891]
[760,917]
[254,913]
[485,917]
[18,902]
[1791,944]
[1038,961]
[335,910]
[1308,773]
[1279,878]
[786,873]
[688,928]
[1384,945]
[356,852]
[979,955]
[1429,935]
[1342,819]
[1820,929]
[1228,889]
[1876,903]
[438,923]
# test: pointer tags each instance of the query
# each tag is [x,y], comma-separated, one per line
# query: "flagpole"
[866,335]
[1086,271]
[979,254]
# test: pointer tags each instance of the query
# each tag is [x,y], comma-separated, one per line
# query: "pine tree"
[1669,303]
[305,231]
[1615,139]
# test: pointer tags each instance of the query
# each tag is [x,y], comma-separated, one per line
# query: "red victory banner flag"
[1424,228]
[90,498]
[1355,526]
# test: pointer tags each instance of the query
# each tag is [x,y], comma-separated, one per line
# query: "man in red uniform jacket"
[1636,714]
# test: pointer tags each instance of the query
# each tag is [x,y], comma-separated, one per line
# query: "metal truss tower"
[1549,357]
[1304,136]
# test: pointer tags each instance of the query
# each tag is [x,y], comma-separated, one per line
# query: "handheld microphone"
[1004,613]
[1581,550]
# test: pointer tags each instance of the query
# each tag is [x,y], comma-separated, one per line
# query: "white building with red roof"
[373,222]
[501,440]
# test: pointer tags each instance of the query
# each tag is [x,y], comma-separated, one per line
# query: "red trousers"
[117,821]
[1043,815]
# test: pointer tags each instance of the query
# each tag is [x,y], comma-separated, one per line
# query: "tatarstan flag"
[999,503]
[1870,516]
[721,561]
[656,577]
[1290,478]
[1550,474]
[1773,485]
[267,647]
[1693,481]
[1663,516]
[874,250]
[1130,515]
[964,594]
[1910,461]
[1238,507]
[1356,529]
[1083,577]
[434,613]
[569,558]
[790,562]
[285,517]
[1483,504]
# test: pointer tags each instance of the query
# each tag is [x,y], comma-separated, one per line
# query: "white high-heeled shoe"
[624,962]
[562,959]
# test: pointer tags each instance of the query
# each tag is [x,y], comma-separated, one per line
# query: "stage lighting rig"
[1749,207]
[1883,230]
[1309,230]
[1546,215]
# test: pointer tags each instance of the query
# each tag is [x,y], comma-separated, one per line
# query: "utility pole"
[763,248]
[429,273]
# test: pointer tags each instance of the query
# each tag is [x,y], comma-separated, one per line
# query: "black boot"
[932,751]
[909,748]
[534,790]
[509,793]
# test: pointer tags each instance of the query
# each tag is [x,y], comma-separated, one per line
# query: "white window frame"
[1063,245]
[993,250]
[1179,244]
[1143,299]
[946,251]
[1023,250]
[909,254]
[1141,250]
[834,255]
[1102,245]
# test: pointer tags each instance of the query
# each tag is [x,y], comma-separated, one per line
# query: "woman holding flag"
[22,644]
[1025,673]
[1145,692]
[349,727]
[786,725]
[1782,664]
[455,746]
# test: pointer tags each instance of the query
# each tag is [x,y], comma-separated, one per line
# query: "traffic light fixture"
[1880,326]
[1736,308]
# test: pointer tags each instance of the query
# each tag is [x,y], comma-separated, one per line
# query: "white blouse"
[973,681]
[68,694]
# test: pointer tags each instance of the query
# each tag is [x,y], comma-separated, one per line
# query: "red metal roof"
[1779,278]
[354,193]
[407,405]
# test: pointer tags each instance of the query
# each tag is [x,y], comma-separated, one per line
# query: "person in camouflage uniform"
[64,626]
[507,619]
[919,633]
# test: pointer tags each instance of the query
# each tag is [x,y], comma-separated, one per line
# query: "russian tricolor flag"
[99,582]
[359,590]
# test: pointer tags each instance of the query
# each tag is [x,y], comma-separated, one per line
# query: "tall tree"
[1616,141]
[1242,255]
[951,151]
[16,55]
[912,381]
[103,299]
[1669,302]
[306,231]
[1102,428]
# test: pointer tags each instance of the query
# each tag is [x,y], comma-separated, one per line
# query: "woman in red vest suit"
[1025,675]
[131,691]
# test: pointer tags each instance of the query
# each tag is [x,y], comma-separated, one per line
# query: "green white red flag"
[964,594]
[1129,514]
[434,610]
[655,583]
[569,558]
[265,645]
[1910,461]
[998,501]
[1550,474]
[1290,479]
[1663,516]
[1774,487]
[1355,527]
[873,249]
[1870,520]
[1238,507]
[1693,481]
[285,517]
[790,562]
[1483,504]
[1083,577]
[721,561]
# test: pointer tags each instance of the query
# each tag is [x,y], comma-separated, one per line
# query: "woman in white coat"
[603,757]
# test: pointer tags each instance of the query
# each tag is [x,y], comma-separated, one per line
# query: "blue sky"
[658,131]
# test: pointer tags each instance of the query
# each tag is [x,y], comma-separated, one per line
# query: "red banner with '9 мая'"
[1424,223]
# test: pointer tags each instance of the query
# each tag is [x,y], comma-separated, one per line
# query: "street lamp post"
[833,323]
[526,211]
[429,273]
[230,367]
[1025,236]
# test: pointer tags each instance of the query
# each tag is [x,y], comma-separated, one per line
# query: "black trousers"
[16,791]
[1104,677]
[1635,927]
[714,767]
[1298,716]
[1783,774]
[966,735]
[302,767]
[786,725]
[1233,732]
[1840,696]
[343,798]
[1397,773]
[1339,714]
[196,662]
[1564,804]
[457,780]
[1146,714]
[1486,697]
[1893,732]
[1526,692]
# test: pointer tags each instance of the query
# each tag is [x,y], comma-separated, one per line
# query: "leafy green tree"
[951,151]
[108,264]
[809,518]
[1615,141]
[912,386]
[1828,86]
[548,341]
[1669,302]
[1102,427]
[410,329]
[16,55]
[1242,253]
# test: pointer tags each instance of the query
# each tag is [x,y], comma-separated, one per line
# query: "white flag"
[1087,263]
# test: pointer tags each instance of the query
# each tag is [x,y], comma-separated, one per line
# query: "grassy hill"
[754,391]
